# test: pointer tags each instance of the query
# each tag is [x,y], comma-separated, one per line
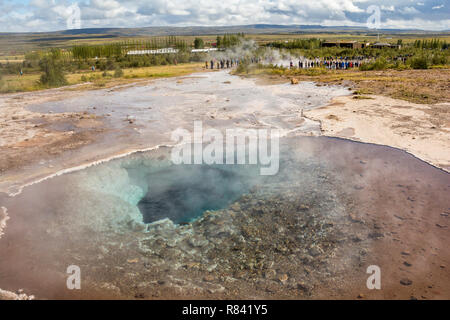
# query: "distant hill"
[199,30]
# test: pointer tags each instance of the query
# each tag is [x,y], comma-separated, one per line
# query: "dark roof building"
[381,45]
[343,44]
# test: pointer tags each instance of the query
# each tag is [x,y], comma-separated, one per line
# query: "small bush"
[118,73]
[94,77]
[420,62]
[439,59]
[277,71]
[400,66]
[379,64]
[53,75]
[243,67]
[110,64]
[198,43]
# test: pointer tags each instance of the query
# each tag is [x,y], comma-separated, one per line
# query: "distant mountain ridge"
[208,30]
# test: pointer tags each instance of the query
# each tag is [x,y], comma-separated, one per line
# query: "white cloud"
[42,3]
[46,15]
[387,8]
[409,10]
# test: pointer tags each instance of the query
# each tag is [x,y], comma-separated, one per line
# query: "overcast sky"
[51,15]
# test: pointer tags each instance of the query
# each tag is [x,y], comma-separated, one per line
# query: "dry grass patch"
[96,79]
[418,86]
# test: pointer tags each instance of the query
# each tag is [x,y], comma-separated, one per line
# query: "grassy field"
[418,86]
[12,59]
[13,46]
[93,79]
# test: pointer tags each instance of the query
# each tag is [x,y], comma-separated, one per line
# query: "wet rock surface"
[279,239]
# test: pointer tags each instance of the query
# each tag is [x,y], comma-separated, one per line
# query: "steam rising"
[249,49]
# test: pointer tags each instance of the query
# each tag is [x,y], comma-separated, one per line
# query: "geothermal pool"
[141,227]
[183,193]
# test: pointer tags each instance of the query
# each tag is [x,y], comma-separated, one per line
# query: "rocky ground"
[420,129]
[42,133]
[309,232]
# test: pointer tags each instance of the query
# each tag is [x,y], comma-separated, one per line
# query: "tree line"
[121,48]
[297,44]
[431,44]
[229,40]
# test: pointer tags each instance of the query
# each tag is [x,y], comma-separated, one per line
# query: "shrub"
[118,73]
[243,67]
[439,59]
[110,64]
[420,62]
[198,43]
[401,66]
[379,64]
[53,73]
[100,65]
